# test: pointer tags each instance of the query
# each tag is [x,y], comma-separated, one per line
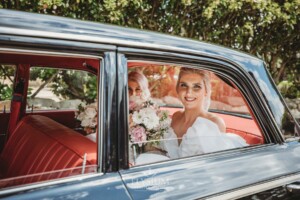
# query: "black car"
[65,124]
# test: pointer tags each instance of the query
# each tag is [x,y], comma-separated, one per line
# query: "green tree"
[268,29]
[69,84]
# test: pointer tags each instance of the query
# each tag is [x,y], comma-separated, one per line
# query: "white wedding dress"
[202,137]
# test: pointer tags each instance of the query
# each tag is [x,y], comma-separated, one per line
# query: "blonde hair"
[206,79]
[142,81]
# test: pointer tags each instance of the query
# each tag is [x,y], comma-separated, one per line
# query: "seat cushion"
[39,146]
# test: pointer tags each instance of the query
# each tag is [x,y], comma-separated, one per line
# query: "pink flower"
[138,135]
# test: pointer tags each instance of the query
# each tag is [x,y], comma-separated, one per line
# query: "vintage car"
[56,65]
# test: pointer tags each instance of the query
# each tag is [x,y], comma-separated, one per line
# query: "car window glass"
[158,129]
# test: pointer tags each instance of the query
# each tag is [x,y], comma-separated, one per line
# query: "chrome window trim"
[46,53]
[257,188]
[101,115]
[47,183]
[197,158]
[103,40]
[99,146]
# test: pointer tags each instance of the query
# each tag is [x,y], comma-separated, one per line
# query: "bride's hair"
[142,81]
[206,79]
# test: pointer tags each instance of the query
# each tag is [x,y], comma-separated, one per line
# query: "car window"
[178,111]
[51,130]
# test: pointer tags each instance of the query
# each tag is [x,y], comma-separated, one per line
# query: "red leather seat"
[42,149]
[250,138]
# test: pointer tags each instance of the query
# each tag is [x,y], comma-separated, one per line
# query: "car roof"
[65,28]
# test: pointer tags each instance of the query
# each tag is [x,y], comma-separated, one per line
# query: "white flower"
[88,117]
[149,118]
[166,123]
[80,116]
[86,122]
[90,112]
[137,117]
[93,123]
[151,122]
[148,112]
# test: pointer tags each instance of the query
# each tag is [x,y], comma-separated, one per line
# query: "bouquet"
[87,115]
[148,123]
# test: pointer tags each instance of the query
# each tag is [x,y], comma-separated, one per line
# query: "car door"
[229,174]
[104,181]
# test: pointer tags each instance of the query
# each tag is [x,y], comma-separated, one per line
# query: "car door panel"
[107,186]
[198,177]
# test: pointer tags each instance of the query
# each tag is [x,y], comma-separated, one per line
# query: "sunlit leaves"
[268,29]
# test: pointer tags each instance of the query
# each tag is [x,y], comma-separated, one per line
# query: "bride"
[194,130]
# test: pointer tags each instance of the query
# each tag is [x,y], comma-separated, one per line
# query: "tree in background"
[268,29]
[6,81]
[66,84]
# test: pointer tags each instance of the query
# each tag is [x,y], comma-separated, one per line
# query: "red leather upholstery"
[14,115]
[250,138]
[40,148]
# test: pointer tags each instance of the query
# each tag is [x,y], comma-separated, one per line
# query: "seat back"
[41,149]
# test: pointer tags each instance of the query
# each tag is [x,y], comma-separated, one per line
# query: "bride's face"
[191,91]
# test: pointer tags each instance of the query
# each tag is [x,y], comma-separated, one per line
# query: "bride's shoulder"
[217,120]
[176,116]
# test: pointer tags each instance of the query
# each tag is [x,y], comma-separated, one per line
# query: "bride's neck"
[192,114]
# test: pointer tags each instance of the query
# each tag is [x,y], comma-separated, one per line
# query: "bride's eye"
[198,87]
[183,85]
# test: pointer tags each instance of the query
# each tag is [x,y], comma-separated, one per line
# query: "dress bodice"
[202,137]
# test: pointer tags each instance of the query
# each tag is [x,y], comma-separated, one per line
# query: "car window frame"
[220,66]
[60,51]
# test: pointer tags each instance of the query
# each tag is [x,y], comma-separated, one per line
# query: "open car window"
[50,132]
[157,127]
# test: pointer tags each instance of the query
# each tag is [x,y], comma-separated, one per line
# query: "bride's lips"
[189,99]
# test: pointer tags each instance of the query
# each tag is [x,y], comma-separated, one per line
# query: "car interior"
[42,144]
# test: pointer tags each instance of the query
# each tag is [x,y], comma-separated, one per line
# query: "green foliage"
[42,73]
[289,89]
[75,85]
[5,92]
[6,81]
[268,29]
[68,84]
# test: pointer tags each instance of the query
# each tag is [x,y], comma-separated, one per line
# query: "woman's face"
[134,88]
[191,91]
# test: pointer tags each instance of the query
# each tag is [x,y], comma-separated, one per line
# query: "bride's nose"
[189,91]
